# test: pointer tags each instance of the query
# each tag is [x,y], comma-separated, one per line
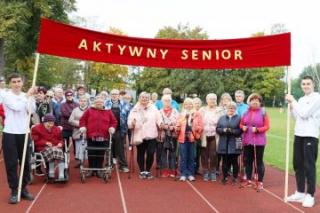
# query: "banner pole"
[25,145]
[287,139]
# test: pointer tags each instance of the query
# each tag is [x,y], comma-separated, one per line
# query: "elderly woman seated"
[48,140]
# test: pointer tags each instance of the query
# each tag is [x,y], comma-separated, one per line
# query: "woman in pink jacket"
[144,119]
[189,128]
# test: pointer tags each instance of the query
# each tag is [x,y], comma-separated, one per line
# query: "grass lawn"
[276,144]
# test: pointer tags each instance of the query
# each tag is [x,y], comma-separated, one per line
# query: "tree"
[19,31]
[180,80]
[103,76]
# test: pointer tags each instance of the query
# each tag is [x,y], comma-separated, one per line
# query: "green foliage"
[101,76]
[20,24]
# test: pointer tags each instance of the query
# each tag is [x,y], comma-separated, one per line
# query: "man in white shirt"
[306,111]
[16,105]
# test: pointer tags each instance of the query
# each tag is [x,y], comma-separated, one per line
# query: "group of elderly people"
[212,133]
[196,136]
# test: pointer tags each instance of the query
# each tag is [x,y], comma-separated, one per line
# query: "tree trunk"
[2,61]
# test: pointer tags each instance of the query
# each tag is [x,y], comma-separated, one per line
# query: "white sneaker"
[183,178]
[296,197]
[308,201]
[191,178]
[114,160]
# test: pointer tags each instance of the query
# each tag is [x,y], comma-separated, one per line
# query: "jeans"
[186,158]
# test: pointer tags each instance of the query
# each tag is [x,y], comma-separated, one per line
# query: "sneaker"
[173,173]
[191,178]
[183,178]
[296,197]
[206,176]
[234,181]
[14,197]
[149,175]
[142,175]
[213,176]
[26,195]
[165,173]
[124,169]
[114,160]
[246,184]
[259,186]
[308,201]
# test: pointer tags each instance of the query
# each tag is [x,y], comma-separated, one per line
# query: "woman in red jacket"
[98,124]
[48,140]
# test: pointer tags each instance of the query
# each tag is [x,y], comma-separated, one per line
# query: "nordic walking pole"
[131,149]
[255,158]
[25,145]
[286,180]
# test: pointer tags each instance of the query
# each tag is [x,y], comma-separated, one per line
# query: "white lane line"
[123,201]
[36,198]
[202,197]
[279,198]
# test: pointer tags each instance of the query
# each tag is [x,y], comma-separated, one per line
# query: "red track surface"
[158,195]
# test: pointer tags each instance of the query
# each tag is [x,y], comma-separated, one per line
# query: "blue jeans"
[186,159]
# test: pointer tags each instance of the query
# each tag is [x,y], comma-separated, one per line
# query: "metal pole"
[287,139]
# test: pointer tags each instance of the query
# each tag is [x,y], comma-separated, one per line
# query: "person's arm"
[37,137]
[220,128]
[266,124]
[19,104]
[58,141]
[306,111]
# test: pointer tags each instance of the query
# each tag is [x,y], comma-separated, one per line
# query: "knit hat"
[68,92]
[48,118]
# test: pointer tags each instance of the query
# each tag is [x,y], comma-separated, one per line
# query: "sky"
[222,19]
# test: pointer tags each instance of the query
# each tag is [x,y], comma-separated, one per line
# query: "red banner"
[74,42]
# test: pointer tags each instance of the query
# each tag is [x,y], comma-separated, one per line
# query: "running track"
[159,195]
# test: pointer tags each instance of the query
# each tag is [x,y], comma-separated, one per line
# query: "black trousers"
[96,157]
[66,135]
[249,157]
[118,144]
[197,156]
[305,153]
[229,160]
[13,150]
[147,148]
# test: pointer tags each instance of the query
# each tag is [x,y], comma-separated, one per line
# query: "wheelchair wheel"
[106,177]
